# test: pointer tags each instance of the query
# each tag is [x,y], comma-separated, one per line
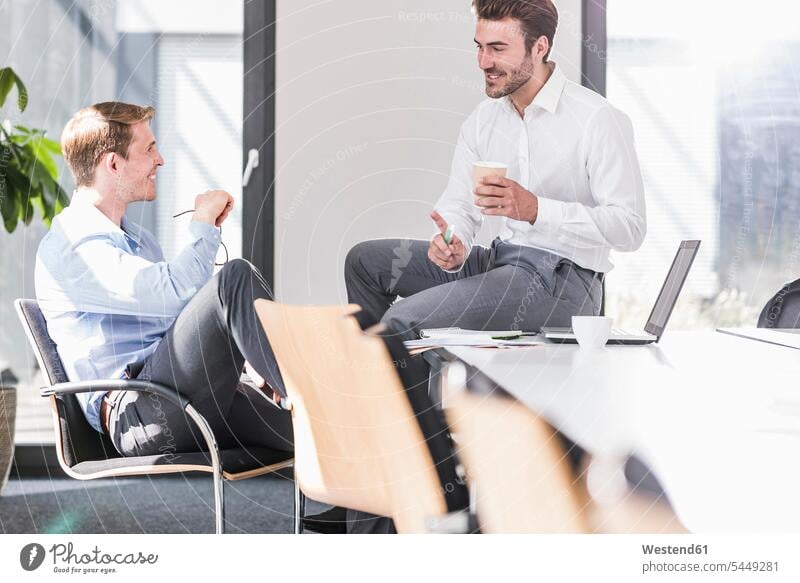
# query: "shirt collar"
[93,222]
[550,93]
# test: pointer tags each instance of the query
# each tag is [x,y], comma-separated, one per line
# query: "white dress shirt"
[575,152]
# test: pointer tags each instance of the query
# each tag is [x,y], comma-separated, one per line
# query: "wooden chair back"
[516,464]
[357,441]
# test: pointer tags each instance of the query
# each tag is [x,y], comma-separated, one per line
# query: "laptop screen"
[671,289]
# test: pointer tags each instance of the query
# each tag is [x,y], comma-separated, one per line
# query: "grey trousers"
[202,356]
[505,287]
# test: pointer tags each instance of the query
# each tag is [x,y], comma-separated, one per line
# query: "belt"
[106,407]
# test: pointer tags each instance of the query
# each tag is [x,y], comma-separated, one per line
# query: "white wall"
[370,99]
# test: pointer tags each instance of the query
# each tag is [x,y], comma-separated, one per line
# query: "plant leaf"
[8,78]
[51,146]
[43,158]
[18,193]
[38,202]
[62,200]
[27,208]
[6,83]
[54,199]
[9,210]
[5,181]
[22,93]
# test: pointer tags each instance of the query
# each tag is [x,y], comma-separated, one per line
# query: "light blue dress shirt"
[107,293]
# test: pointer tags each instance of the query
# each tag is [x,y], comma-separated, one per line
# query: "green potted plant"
[28,181]
[28,171]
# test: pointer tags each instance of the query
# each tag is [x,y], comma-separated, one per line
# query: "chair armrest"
[75,387]
[169,394]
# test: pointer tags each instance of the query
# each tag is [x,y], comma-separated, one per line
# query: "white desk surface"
[715,417]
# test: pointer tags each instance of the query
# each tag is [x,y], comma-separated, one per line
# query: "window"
[185,58]
[712,90]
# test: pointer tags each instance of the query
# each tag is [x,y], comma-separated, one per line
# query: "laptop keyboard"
[622,332]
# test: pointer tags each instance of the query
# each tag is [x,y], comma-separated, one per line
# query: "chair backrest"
[358,442]
[783,309]
[515,461]
[76,440]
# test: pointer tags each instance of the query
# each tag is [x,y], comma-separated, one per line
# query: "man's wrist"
[204,217]
[535,209]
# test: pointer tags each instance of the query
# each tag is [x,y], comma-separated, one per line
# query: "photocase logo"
[31,556]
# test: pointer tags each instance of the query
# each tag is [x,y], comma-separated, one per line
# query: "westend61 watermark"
[63,558]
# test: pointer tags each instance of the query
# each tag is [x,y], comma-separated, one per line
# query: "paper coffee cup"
[481,169]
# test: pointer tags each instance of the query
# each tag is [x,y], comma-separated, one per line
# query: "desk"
[716,418]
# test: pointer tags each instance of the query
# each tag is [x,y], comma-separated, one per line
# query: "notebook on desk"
[659,316]
[451,332]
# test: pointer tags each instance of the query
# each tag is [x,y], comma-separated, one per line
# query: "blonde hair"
[97,130]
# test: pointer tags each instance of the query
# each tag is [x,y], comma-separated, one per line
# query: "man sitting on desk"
[572,194]
[115,307]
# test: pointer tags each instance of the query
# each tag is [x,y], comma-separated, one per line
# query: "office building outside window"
[713,91]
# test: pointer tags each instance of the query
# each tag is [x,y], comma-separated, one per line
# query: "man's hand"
[212,207]
[503,197]
[448,257]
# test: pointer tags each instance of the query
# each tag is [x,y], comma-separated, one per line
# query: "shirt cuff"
[462,231]
[202,230]
[460,267]
[550,216]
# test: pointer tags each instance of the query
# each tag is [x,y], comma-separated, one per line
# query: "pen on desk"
[514,336]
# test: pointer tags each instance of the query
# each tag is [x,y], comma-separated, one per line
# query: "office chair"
[363,439]
[85,454]
[783,309]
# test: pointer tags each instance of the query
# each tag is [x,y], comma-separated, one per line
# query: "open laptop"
[662,309]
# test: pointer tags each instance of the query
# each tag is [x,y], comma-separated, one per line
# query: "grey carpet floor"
[173,504]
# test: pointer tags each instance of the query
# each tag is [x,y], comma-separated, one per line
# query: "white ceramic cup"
[481,169]
[592,331]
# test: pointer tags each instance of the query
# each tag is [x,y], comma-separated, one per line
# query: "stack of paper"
[440,337]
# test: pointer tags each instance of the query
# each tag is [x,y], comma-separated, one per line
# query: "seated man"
[115,308]
[572,194]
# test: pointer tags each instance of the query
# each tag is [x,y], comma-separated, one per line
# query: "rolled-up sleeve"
[619,218]
[106,279]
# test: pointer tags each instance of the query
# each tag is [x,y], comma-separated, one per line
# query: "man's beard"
[516,79]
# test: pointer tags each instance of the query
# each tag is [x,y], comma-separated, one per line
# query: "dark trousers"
[202,356]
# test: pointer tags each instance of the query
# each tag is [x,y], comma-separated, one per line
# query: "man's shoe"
[331,521]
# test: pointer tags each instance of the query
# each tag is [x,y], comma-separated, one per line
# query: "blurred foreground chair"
[363,440]
[85,454]
[521,476]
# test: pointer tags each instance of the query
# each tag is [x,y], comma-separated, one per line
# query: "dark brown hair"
[97,130]
[537,17]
